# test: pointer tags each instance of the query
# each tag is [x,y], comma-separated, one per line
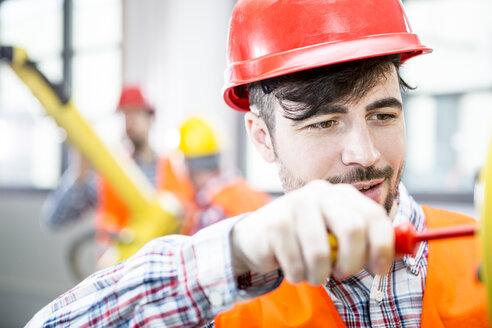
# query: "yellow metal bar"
[149,218]
[486,229]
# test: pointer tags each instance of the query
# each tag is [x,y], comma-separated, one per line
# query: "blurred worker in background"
[320,84]
[194,175]
[81,189]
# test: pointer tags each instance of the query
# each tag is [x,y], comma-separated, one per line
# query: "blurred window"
[449,115]
[97,63]
[30,141]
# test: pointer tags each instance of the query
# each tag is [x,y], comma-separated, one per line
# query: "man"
[193,173]
[81,189]
[321,79]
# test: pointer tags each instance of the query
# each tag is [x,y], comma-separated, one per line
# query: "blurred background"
[175,50]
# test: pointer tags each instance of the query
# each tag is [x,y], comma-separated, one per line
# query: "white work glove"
[291,233]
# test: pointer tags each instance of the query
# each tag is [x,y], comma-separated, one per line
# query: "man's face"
[137,125]
[361,143]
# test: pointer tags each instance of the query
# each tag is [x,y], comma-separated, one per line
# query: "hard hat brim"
[241,73]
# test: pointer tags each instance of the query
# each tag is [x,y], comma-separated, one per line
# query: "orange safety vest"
[233,197]
[112,212]
[173,177]
[236,197]
[453,297]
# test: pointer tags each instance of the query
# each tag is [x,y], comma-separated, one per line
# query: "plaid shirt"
[172,281]
[181,281]
[392,300]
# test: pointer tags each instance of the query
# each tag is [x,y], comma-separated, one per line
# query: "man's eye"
[383,117]
[324,124]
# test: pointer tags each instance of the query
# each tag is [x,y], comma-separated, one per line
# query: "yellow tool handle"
[333,246]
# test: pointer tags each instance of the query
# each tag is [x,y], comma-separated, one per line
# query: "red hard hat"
[269,38]
[131,97]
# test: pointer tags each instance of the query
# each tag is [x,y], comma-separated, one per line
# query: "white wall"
[34,267]
[176,50]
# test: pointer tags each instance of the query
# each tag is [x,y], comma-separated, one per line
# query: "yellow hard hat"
[197,138]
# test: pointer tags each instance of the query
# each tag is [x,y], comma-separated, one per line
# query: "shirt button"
[378,296]
[216,299]
[411,261]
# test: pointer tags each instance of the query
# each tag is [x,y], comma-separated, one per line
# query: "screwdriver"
[407,238]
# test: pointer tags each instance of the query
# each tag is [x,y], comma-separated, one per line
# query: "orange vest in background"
[112,212]
[453,297]
[233,196]
[237,197]
[174,178]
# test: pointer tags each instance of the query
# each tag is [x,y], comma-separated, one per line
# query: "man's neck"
[144,154]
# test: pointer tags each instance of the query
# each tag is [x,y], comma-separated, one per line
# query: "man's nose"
[359,148]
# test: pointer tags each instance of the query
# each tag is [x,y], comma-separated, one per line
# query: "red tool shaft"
[406,238]
[450,232]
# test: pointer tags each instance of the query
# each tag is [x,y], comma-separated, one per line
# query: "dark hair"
[302,94]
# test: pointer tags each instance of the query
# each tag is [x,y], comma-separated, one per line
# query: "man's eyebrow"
[331,109]
[340,109]
[323,110]
[385,102]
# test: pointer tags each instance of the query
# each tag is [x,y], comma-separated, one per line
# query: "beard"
[291,182]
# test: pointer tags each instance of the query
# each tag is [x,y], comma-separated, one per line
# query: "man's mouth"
[371,189]
[366,188]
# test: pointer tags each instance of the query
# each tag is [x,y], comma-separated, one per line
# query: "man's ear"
[260,136]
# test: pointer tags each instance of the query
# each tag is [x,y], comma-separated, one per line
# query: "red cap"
[132,98]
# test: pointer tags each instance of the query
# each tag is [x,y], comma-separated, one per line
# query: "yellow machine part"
[149,218]
[486,227]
